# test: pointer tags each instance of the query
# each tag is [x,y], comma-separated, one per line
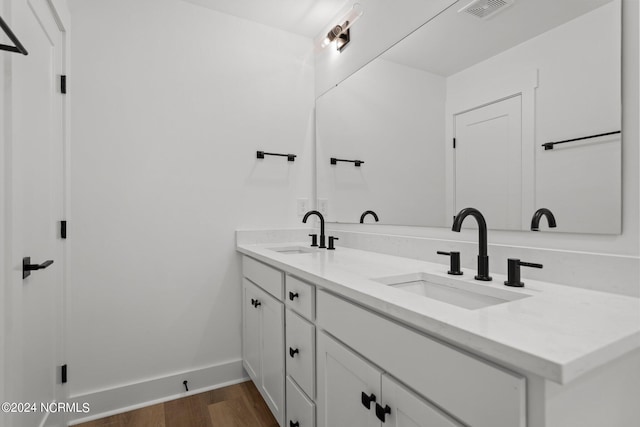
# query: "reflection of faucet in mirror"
[365,213]
[535,221]
[319,215]
[483,258]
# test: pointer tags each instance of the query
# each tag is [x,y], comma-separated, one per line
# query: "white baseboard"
[128,397]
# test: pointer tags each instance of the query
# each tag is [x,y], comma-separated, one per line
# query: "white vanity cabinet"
[474,391]
[353,392]
[323,341]
[263,333]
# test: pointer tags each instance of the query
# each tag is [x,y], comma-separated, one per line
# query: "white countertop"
[558,333]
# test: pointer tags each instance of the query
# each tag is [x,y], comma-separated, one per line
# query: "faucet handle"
[331,240]
[314,239]
[454,265]
[513,271]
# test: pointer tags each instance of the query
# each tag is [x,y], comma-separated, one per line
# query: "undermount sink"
[293,250]
[461,293]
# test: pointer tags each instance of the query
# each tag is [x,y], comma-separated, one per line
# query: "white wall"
[402,152]
[170,102]
[626,245]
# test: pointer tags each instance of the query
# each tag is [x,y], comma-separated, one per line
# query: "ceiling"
[303,17]
[453,41]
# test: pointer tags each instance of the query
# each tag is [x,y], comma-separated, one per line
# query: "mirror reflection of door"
[488,162]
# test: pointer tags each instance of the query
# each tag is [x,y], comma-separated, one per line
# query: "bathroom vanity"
[356,338]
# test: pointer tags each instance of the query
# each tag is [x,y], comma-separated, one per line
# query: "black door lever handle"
[27,267]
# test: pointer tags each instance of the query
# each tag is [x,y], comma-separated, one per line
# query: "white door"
[488,162]
[410,410]
[34,304]
[346,385]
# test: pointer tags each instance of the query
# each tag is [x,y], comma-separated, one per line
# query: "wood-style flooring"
[238,405]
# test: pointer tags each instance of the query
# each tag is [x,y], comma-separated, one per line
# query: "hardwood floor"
[238,405]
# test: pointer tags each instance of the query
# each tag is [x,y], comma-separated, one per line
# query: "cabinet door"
[251,331]
[408,410]
[345,382]
[272,352]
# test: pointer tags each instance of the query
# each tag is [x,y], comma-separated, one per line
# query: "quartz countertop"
[558,332]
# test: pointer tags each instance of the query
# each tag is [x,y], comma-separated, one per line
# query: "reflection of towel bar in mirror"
[290,157]
[18,48]
[357,163]
[549,145]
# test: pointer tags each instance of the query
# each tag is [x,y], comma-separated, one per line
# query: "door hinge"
[63,374]
[454,143]
[63,84]
[63,229]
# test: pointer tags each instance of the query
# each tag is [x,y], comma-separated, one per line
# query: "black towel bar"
[261,154]
[549,145]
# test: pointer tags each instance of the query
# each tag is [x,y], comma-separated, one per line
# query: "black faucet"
[365,213]
[483,258]
[304,220]
[535,221]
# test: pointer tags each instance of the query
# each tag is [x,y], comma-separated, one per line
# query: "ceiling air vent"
[485,8]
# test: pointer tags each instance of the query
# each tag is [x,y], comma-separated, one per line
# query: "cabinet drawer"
[268,278]
[300,352]
[478,393]
[300,410]
[300,297]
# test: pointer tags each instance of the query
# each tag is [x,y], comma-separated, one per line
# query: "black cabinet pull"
[27,267]
[382,412]
[293,352]
[293,296]
[292,424]
[257,304]
[367,399]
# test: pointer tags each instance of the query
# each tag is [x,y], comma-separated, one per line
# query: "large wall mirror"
[457,113]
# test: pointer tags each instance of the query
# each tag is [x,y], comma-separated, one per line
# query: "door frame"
[501,87]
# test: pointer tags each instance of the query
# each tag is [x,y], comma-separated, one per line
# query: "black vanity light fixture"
[290,157]
[17,48]
[340,32]
[357,163]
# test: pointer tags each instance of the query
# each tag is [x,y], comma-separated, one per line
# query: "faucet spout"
[365,213]
[483,257]
[537,216]
[319,215]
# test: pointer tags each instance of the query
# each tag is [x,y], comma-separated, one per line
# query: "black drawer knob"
[293,352]
[382,412]
[293,296]
[366,399]
[292,424]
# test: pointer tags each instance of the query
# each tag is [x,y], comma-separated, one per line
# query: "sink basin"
[461,293]
[293,250]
